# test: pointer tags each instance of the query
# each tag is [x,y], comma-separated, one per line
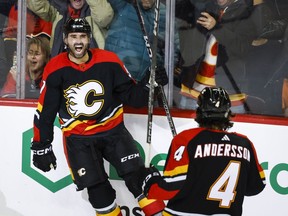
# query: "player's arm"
[48,105]
[174,175]
[47,108]
[256,177]
[134,93]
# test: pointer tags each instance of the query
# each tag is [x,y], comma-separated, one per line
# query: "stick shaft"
[150,53]
[153,59]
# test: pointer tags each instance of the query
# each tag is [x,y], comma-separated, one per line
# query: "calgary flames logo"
[77,98]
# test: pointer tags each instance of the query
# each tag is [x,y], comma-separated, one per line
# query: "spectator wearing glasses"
[38,54]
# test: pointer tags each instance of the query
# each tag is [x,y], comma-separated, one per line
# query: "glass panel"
[245,52]
[8,31]
[23,81]
[239,45]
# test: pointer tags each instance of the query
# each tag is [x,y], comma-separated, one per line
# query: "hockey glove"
[43,156]
[161,77]
[150,176]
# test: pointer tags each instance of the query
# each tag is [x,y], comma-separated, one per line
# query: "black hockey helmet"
[77,25]
[213,103]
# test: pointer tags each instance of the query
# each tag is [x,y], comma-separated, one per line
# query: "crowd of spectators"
[98,13]
[251,59]
[250,50]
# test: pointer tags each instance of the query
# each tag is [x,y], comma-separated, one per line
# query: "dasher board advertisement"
[27,191]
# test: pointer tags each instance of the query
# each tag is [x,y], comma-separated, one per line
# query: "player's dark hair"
[214,109]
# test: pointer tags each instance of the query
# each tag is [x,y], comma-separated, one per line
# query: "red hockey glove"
[43,156]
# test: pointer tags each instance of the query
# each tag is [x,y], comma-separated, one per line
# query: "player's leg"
[106,205]
[123,154]
[87,170]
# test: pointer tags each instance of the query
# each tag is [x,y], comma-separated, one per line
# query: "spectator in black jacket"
[266,63]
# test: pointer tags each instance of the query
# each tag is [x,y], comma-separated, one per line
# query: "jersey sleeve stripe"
[176,171]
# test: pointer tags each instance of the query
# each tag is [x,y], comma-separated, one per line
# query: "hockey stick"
[152,55]
[150,52]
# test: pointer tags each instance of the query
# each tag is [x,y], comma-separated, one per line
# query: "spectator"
[87,88]
[270,20]
[208,170]
[265,62]
[229,22]
[34,26]
[38,54]
[285,96]
[4,66]
[125,36]
[5,6]
[284,92]
[98,13]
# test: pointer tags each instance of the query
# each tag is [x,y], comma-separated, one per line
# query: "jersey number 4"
[223,189]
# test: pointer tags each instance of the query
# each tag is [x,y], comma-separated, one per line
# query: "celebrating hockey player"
[208,170]
[87,89]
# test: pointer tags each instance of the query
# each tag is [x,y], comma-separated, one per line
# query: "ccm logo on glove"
[43,151]
[43,156]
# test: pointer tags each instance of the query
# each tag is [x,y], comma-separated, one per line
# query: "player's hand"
[43,156]
[150,176]
[161,77]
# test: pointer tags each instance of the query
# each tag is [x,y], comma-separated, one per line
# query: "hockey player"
[87,89]
[208,170]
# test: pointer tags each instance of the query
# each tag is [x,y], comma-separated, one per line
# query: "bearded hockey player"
[87,88]
[208,170]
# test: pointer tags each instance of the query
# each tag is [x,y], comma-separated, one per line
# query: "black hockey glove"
[161,77]
[150,176]
[43,156]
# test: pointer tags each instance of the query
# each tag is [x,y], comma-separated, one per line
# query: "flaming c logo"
[77,98]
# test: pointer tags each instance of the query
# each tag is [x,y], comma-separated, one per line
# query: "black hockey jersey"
[209,172]
[88,97]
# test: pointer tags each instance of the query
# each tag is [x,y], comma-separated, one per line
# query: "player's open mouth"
[78,48]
